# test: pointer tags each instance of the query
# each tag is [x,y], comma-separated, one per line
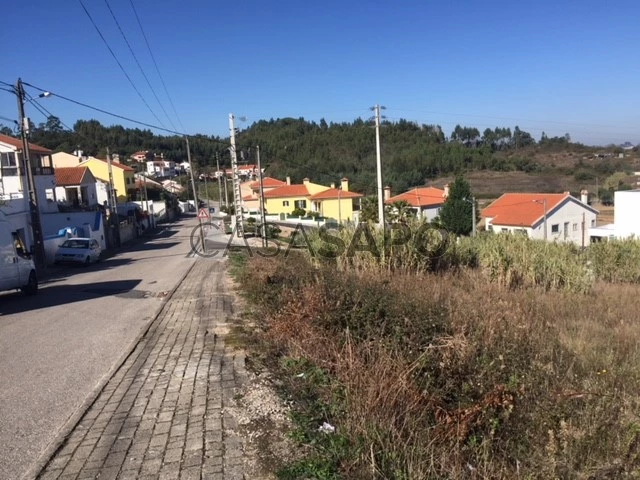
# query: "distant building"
[567,218]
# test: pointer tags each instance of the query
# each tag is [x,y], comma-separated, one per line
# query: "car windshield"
[74,243]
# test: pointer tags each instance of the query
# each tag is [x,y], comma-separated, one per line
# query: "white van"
[17,270]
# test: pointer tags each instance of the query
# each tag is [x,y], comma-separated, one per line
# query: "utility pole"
[195,195]
[226,192]
[473,216]
[377,108]
[219,180]
[113,200]
[583,229]
[34,210]
[237,196]
[263,218]
[544,203]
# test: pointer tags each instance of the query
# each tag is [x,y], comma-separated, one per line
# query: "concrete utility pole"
[219,180]
[263,218]
[113,200]
[377,108]
[195,195]
[473,216]
[237,195]
[34,209]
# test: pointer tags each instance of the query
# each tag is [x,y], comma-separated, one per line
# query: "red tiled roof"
[522,209]
[248,198]
[420,197]
[267,182]
[296,190]
[334,193]
[17,143]
[70,176]
[121,166]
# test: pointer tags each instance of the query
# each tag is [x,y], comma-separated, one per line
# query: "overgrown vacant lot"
[451,375]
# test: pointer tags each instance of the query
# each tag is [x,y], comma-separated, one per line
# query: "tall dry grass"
[451,376]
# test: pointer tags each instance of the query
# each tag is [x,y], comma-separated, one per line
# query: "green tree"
[369,209]
[399,211]
[457,210]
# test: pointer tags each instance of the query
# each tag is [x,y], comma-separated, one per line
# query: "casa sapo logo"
[322,242]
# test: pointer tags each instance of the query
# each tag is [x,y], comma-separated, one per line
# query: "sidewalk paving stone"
[162,414]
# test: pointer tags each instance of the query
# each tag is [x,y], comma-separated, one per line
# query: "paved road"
[57,347]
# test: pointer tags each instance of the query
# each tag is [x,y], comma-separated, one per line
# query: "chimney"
[305,180]
[446,191]
[584,196]
[288,180]
[344,183]
[387,193]
[333,185]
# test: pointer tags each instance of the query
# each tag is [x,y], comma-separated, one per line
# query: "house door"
[566,230]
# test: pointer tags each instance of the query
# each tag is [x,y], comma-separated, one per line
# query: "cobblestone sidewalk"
[162,415]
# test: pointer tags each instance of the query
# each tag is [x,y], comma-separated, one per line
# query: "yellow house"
[335,203]
[327,201]
[123,176]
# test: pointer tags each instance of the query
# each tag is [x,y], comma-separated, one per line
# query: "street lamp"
[543,202]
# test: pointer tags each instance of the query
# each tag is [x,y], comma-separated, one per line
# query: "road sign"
[203,214]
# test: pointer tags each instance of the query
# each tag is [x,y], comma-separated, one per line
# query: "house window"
[555,228]
[521,231]
[575,227]
[49,194]
[593,223]
[285,203]
[301,204]
[504,230]
[8,164]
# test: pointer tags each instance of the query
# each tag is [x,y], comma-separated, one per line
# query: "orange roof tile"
[296,190]
[334,193]
[248,198]
[420,197]
[524,209]
[268,182]
[70,176]
[17,143]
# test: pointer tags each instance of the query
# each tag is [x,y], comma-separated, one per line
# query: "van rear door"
[9,274]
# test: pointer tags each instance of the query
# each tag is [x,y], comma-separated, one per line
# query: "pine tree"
[457,210]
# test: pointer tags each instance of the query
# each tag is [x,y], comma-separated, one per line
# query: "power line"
[106,112]
[156,64]
[118,62]
[138,63]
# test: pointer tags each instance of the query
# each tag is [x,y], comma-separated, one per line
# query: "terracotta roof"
[267,182]
[334,193]
[296,190]
[70,176]
[248,198]
[420,197]
[113,164]
[17,143]
[525,209]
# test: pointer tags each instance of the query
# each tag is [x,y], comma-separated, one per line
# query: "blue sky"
[554,66]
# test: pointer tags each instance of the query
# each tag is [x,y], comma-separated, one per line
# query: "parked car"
[17,270]
[79,250]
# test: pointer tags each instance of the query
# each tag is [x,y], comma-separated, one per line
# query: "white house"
[626,218]
[565,218]
[425,201]
[161,168]
[76,186]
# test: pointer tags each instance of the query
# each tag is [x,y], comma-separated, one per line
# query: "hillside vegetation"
[412,154]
